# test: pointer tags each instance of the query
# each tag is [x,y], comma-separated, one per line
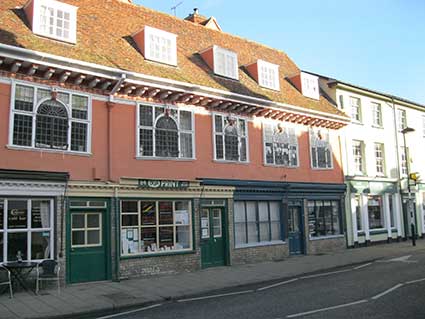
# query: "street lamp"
[409,202]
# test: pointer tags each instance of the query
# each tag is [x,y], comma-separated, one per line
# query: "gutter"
[139,78]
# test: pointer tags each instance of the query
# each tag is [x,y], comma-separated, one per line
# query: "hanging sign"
[156,184]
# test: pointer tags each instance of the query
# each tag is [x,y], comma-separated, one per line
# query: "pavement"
[94,299]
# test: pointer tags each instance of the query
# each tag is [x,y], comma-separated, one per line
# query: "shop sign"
[359,187]
[380,188]
[156,184]
[17,219]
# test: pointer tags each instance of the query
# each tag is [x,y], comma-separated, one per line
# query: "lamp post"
[409,201]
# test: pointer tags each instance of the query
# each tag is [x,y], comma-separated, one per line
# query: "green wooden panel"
[213,252]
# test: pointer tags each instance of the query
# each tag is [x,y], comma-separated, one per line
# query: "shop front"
[374,213]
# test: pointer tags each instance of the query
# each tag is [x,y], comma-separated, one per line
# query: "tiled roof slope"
[104,37]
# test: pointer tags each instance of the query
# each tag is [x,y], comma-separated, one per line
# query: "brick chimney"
[210,23]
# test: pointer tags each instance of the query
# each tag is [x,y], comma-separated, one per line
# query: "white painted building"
[374,162]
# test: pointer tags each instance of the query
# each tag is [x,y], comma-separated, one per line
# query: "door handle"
[215,240]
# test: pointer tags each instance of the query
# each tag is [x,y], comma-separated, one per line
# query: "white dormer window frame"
[160,46]
[55,20]
[225,63]
[310,86]
[268,75]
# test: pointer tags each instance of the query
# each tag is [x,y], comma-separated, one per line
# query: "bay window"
[155,226]
[44,119]
[280,145]
[320,149]
[26,229]
[165,132]
[324,218]
[231,138]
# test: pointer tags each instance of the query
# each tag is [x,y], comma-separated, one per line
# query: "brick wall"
[326,245]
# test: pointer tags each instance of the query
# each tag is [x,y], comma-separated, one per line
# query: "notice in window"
[182,217]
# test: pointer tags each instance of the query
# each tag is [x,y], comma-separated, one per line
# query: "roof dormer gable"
[307,84]
[157,45]
[53,19]
[265,73]
[222,61]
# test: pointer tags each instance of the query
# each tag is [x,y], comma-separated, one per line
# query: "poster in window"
[182,217]
[17,215]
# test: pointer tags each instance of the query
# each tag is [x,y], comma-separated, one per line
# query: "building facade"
[376,163]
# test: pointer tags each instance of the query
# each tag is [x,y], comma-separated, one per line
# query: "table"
[20,271]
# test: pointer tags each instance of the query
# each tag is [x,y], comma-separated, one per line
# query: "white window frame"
[310,86]
[28,230]
[356,103]
[157,225]
[246,136]
[358,159]
[379,161]
[55,6]
[423,126]
[404,160]
[86,229]
[268,75]
[377,114]
[230,70]
[401,119]
[383,214]
[33,114]
[313,132]
[139,127]
[163,36]
[288,128]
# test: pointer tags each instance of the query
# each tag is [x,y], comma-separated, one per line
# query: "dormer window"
[225,63]
[53,19]
[268,75]
[310,85]
[160,46]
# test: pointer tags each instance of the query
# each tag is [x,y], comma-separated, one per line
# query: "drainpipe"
[117,235]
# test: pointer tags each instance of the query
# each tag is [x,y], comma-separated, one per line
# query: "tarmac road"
[390,289]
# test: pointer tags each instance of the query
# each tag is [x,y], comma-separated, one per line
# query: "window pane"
[17,216]
[335,218]
[269,153]
[129,207]
[130,220]
[78,221]
[240,233]
[252,232]
[93,220]
[40,214]
[40,245]
[239,211]
[263,211]
[264,231]
[146,142]
[182,237]
[79,107]
[78,137]
[51,126]
[251,211]
[182,205]
[17,244]
[375,211]
[275,226]
[219,147]
[93,237]
[243,150]
[148,211]
[1,247]
[185,120]
[218,123]
[275,211]
[1,217]
[78,237]
[166,236]
[166,138]
[148,239]
[186,145]
[165,213]
[24,98]
[145,115]
[22,130]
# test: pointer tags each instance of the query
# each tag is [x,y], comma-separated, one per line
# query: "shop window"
[391,208]
[358,157]
[375,212]
[231,138]
[320,149]
[324,218]
[155,227]
[26,229]
[280,145]
[356,112]
[165,132]
[61,120]
[358,208]
[257,222]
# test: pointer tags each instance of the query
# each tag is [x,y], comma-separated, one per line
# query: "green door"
[87,250]
[212,237]
[295,231]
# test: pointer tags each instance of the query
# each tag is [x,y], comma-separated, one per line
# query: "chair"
[47,270]
[5,279]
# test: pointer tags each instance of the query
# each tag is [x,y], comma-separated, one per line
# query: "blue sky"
[379,44]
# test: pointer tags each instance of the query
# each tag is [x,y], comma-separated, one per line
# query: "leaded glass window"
[321,151]
[280,145]
[61,119]
[165,132]
[231,137]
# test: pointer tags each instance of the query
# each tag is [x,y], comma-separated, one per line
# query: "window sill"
[165,253]
[279,166]
[356,122]
[45,150]
[230,162]
[149,158]
[322,168]
[327,237]
[261,244]
[380,127]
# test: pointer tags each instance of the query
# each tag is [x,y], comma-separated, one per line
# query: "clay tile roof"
[104,37]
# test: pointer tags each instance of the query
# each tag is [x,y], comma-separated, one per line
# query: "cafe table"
[20,271]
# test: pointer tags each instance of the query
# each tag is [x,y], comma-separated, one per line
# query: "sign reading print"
[156,184]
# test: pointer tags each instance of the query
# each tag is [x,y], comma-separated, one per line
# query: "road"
[392,288]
